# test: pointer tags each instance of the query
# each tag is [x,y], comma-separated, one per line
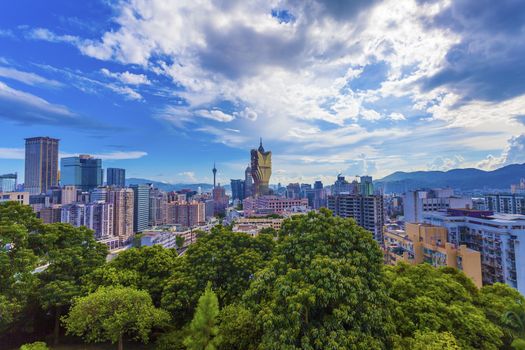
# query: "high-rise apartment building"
[123,212]
[319,195]
[140,207]
[261,168]
[497,237]
[367,211]
[41,164]
[366,186]
[99,218]
[8,182]
[158,202]
[84,172]
[238,189]
[293,190]
[220,199]
[505,203]
[74,214]
[116,177]
[187,214]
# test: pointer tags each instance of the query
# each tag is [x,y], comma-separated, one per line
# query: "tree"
[323,289]
[430,340]
[514,319]
[39,345]
[427,299]
[498,299]
[110,313]
[227,259]
[73,254]
[145,268]
[18,283]
[203,330]
[238,328]
[179,241]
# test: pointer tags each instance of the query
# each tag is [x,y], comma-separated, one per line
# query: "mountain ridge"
[464,178]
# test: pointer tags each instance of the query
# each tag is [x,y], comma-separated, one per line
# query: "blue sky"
[166,88]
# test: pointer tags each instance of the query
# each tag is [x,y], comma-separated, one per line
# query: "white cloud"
[127,77]
[188,176]
[27,78]
[215,115]
[444,163]
[513,153]
[397,116]
[12,153]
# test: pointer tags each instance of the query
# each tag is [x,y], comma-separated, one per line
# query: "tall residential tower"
[41,166]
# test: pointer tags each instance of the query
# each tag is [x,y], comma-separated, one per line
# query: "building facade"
[84,172]
[140,207]
[99,218]
[123,212]
[116,177]
[267,205]
[415,203]
[20,197]
[505,203]
[187,214]
[367,211]
[238,189]
[8,182]
[261,167]
[425,243]
[41,164]
[497,237]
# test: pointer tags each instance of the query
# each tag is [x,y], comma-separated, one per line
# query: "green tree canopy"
[323,289]
[73,254]
[440,300]
[227,259]
[145,268]
[39,345]
[111,313]
[203,332]
[18,283]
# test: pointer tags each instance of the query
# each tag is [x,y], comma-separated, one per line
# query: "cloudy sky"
[165,88]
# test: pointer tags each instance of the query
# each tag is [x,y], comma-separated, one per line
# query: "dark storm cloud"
[489,62]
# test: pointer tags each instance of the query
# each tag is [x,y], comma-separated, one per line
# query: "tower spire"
[214,170]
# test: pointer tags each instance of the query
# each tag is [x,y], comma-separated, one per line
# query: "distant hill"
[165,186]
[465,179]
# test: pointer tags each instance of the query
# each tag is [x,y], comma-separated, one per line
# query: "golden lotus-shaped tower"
[261,170]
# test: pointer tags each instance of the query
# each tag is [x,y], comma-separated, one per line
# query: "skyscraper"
[41,164]
[8,182]
[248,182]
[84,172]
[116,177]
[261,170]
[140,207]
[237,189]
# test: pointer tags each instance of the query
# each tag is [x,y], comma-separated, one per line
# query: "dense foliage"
[318,283]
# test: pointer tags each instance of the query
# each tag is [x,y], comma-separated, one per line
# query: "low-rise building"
[20,197]
[267,205]
[426,243]
[253,226]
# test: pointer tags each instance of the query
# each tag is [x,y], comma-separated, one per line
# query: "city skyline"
[366,88]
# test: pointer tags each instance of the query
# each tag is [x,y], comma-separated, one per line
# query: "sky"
[167,88]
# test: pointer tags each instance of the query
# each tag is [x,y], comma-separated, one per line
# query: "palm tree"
[514,320]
